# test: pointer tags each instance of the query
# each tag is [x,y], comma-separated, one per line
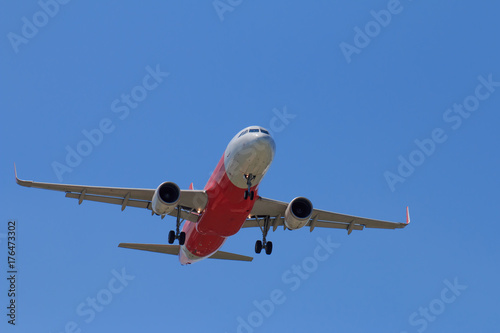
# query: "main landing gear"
[177,234]
[248,193]
[264,244]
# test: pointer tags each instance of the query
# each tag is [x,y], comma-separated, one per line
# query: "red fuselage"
[227,209]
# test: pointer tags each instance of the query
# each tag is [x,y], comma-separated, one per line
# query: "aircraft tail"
[174,250]
[160,248]
[229,256]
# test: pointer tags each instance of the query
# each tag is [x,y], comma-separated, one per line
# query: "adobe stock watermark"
[363,36]
[121,107]
[422,318]
[454,117]
[87,310]
[280,120]
[31,26]
[223,6]
[292,280]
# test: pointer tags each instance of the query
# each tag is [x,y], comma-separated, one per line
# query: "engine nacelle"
[166,197]
[298,213]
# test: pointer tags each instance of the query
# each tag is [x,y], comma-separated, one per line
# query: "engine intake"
[166,197]
[298,213]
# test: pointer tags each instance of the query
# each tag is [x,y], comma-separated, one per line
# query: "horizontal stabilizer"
[174,249]
[229,256]
[160,248]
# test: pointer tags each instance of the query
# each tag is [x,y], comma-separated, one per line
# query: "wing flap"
[189,214]
[253,223]
[335,225]
[110,200]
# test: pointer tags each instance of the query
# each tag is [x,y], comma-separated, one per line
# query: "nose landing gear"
[248,193]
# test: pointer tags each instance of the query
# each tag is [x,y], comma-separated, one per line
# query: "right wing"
[319,218]
[190,202]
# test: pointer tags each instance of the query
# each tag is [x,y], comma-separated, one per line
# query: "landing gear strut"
[177,234]
[248,193]
[264,244]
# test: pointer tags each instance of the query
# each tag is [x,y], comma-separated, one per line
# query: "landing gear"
[264,244]
[182,238]
[248,193]
[269,248]
[177,234]
[171,237]
[258,246]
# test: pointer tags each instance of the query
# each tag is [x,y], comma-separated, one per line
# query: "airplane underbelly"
[202,246]
[226,209]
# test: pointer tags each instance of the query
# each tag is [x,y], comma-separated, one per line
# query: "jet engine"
[166,198]
[298,213]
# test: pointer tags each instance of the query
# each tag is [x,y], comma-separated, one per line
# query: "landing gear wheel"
[258,246]
[249,193]
[182,238]
[171,237]
[269,247]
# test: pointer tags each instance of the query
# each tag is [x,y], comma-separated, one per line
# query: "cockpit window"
[254,130]
[243,133]
[264,131]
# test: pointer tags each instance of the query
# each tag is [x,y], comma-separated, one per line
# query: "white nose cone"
[250,152]
[264,147]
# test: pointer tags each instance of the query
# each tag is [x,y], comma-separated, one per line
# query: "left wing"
[320,218]
[190,202]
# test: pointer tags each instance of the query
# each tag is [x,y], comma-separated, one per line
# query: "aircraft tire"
[269,248]
[258,246]
[171,237]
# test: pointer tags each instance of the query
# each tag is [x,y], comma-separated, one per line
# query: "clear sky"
[374,105]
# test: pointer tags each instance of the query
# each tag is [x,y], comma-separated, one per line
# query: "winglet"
[407,215]
[15,173]
[191,186]
[21,182]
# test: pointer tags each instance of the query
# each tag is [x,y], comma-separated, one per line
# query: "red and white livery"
[229,202]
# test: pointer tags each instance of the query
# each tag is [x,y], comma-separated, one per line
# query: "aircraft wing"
[190,202]
[319,218]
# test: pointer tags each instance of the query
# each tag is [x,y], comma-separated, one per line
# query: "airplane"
[228,203]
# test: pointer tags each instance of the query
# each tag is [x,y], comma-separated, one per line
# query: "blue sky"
[404,112]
